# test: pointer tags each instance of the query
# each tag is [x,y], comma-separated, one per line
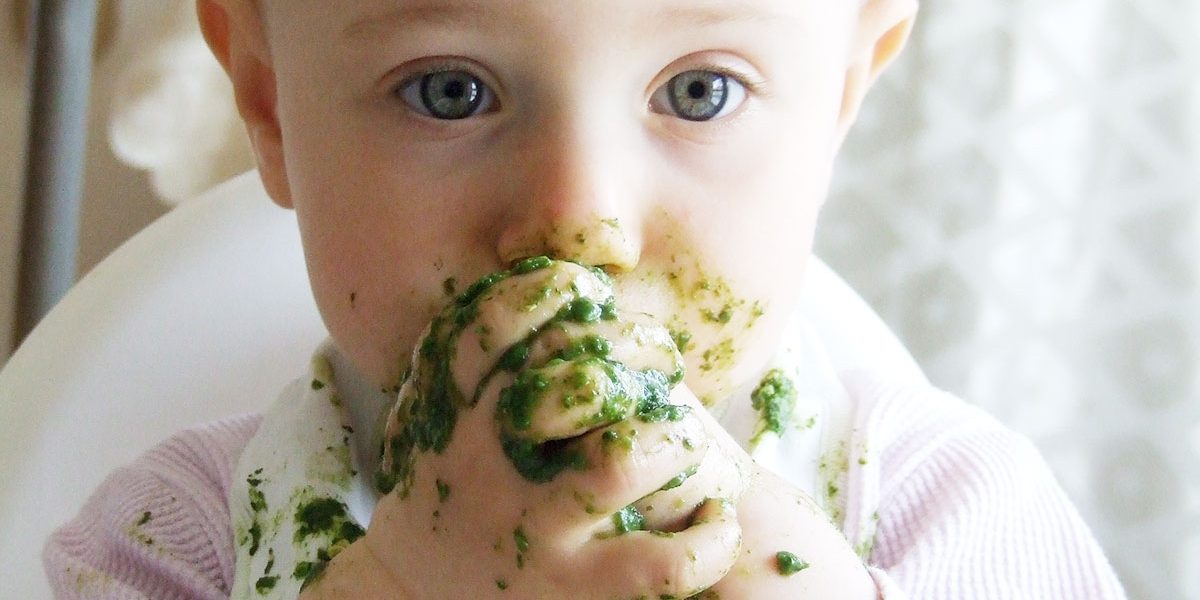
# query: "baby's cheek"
[376,329]
[719,330]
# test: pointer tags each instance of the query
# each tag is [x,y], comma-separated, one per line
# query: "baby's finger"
[633,340]
[498,317]
[672,506]
[629,460]
[674,564]
[567,399]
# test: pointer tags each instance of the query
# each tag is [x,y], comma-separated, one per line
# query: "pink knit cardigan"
[966,509]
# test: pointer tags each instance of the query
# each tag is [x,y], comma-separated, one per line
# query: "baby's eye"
[447,95]
[699,95]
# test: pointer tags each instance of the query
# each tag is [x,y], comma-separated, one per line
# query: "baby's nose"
[575,201]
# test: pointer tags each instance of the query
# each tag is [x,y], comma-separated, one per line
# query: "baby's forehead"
[670,12]
[527,33]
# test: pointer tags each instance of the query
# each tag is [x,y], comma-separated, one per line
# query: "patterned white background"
[1019,202]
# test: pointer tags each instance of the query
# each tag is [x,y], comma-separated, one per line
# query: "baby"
[644,179]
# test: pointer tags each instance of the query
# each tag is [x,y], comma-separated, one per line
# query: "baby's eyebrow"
[415,14]
[477,14]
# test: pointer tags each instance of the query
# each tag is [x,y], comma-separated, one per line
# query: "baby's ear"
[235,33]
[883,29]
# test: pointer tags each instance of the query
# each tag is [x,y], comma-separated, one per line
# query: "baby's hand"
[790,549]
[537,452]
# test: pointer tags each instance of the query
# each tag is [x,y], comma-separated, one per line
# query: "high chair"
[207,313]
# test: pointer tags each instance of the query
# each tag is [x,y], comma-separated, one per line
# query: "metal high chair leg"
[62,37]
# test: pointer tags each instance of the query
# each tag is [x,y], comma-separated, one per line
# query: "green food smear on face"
[629,519]
[774,399]
[443,490]
[720,356]
[682,339]
[789,564]
[721,317]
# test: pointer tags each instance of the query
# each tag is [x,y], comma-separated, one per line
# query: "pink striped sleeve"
[967,508]
[158,528]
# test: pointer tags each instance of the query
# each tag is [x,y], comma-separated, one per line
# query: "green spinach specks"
[774,399]
[789,564]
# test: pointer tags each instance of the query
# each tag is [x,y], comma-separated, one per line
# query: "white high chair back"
[204,314]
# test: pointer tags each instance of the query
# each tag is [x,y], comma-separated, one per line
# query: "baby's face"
[683,146]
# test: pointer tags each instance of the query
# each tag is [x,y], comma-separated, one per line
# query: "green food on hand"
[789,564]
[606,389]
[629,519]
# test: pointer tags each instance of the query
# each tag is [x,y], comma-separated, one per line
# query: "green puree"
[789,564]
[326,515]
[522,543]
[626,392]
[429,411]
[258,504]
[774,399]
[629,519]
[678,480]
[329,518]
[428,417]
[265,584]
